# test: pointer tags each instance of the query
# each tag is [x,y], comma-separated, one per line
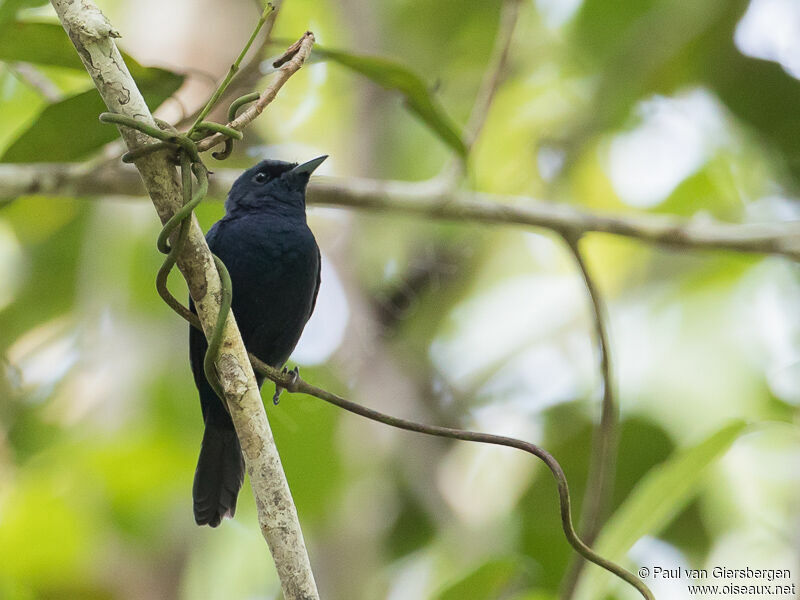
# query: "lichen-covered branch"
[92,35]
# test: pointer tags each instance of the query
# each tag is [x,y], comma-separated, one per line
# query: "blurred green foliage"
[451,323]
[68,130]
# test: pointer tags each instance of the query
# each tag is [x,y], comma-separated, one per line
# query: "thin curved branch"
[492,75]
[602,470]
[293,383]
[601,476]
[287,65]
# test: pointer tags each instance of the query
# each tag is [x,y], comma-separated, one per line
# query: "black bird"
[274,263]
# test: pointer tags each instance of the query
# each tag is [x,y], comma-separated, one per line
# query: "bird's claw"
[295,374]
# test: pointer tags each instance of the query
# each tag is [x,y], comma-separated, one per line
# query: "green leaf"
[412,528]
[40,43]
[62,132]
[69,130]
[663,492]
[9,8]
[600,26]
[394,76]
[492,579]
[758,92]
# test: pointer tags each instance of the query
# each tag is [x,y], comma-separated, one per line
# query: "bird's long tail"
[219,475]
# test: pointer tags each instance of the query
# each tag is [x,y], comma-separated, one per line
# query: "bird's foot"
[295,375]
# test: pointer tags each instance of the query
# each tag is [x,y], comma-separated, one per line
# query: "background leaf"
[9,8]
[493,579]
[40,43]
[658,47]
[69,130]
[394,76]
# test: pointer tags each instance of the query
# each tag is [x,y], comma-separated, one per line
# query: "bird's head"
[272,185]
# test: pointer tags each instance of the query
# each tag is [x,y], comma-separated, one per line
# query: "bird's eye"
[260,178]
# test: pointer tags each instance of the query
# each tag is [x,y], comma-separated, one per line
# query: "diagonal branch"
[249,73]
[431,200]
[492,76]
[287,65]
[92,35]
[509,13]
[36,80]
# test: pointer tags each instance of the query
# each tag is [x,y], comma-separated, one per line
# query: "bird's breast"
[274,268]
[264,248]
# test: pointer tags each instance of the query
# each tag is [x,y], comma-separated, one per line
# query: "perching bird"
[274,263]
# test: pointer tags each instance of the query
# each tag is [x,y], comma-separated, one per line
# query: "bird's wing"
[319,280]
[211,236]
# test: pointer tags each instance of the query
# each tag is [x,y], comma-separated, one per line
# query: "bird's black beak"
[307,168]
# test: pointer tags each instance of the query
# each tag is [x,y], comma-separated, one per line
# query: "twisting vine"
[184,149]
[184,145]
[186,154]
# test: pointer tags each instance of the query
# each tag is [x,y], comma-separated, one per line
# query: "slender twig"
[35,79]
[432,200]
[602,470]
[509,13]
[287,65]
[492,75]
[233,69]
[92,35]
[249,72]
[601,477]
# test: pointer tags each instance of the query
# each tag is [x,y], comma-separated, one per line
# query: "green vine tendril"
[183,147]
